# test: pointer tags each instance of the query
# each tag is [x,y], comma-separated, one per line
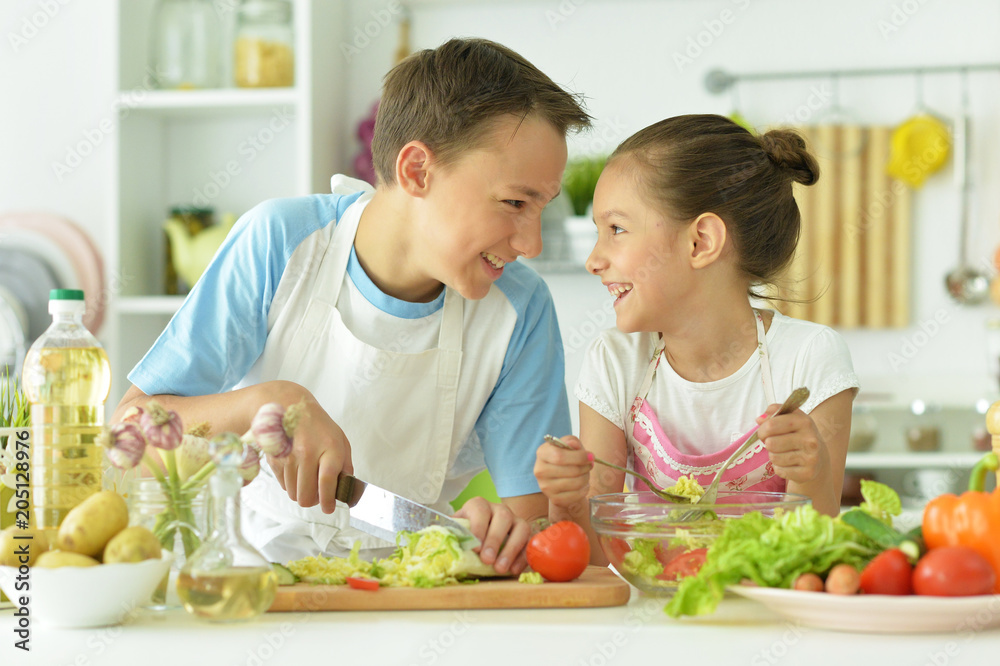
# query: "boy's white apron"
[397,409]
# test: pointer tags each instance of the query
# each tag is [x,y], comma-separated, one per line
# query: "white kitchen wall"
[627,57]
[640,61]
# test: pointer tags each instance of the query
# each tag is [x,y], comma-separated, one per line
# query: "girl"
[695,214]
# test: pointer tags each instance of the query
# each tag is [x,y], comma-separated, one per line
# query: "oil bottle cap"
[66,295]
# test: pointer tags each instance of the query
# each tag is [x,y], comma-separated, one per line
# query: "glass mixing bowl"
[642,538]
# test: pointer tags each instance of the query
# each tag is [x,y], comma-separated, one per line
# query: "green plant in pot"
[580,180]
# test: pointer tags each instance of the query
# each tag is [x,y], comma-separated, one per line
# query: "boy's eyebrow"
[532,193]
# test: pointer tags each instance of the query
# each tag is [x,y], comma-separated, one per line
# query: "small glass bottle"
[186,43]
[227,579]
[66,378]
[265,48]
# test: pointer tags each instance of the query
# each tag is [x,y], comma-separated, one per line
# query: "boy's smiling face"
[484,209]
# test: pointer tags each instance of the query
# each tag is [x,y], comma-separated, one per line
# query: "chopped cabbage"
[431,557]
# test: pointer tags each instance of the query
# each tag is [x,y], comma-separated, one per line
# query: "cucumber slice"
[284,574]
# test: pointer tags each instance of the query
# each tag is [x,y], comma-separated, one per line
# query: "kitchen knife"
[383,514]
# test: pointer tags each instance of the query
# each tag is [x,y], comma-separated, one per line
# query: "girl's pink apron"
[651,450]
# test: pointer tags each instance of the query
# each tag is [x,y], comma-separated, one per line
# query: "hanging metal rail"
[719,80]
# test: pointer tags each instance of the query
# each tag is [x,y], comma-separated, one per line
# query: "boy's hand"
[320,452]
[794,444]
[502,533]
[564,476]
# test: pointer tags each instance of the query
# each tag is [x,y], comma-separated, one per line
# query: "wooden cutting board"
[597,587]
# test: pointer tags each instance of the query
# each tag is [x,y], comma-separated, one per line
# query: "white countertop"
[741,632]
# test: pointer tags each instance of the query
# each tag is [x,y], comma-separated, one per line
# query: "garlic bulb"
[163,428]
[125,444]
[268,430]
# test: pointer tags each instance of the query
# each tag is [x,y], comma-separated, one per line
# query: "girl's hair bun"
[787,150]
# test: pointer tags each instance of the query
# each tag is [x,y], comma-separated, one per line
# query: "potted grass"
[568,232]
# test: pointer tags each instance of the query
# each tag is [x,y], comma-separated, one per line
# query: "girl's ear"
[707,238]
[412,164]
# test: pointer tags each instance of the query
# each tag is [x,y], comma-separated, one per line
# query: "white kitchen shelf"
[227,148]
[139,305]
[908,460]
[206,103]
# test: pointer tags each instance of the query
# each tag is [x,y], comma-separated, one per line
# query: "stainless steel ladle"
[965,283]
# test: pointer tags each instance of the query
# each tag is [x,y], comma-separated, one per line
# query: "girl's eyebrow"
[613,212]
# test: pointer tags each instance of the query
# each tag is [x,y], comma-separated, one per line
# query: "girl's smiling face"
[640,252]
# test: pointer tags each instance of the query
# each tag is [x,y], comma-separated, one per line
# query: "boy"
[421,349]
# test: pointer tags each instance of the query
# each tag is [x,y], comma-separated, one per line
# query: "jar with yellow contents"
[265,50]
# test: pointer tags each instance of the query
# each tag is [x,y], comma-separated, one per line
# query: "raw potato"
[843,579]
[132,544]
[808,582]
[89,526]
[36,544]
[54,559]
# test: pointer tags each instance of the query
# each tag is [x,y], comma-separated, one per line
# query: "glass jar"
[186,43]
[179,524]
[265,50]
[194,220]
[923,432]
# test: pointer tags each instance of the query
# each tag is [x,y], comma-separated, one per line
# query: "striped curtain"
[854,256]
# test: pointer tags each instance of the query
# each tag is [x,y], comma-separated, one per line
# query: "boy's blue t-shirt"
[220,330]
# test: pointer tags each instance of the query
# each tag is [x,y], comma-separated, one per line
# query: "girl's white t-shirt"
[706,417]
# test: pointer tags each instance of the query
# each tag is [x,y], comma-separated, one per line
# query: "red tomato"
[362,583]
[953,571]
[560,552]
[889,573]
[616,549]
[683,565]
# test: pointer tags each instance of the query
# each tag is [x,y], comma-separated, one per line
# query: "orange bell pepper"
[971,519]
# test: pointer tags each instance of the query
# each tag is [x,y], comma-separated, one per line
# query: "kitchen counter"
[741,632]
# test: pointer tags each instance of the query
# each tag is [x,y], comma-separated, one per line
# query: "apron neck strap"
[452,312]
[765,368]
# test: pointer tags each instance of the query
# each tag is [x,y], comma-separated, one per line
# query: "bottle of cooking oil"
[66,378]
[226,579]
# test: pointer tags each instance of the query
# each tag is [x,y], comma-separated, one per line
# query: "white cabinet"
[227,148]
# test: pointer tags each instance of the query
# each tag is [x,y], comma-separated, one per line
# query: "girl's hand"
[320,452]
[794,444]
[502,533]
[564,476]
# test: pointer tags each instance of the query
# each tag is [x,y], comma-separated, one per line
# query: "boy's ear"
[412,164]
[706,239]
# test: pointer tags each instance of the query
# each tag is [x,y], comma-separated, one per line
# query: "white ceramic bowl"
[86,596]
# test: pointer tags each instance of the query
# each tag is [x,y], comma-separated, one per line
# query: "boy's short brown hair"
[446,98]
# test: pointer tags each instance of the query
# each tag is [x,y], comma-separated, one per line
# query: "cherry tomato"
[889,573]
[686,564]
[560,552]
[953,571]
[362,583]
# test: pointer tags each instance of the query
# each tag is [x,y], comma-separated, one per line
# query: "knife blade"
[384,514]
